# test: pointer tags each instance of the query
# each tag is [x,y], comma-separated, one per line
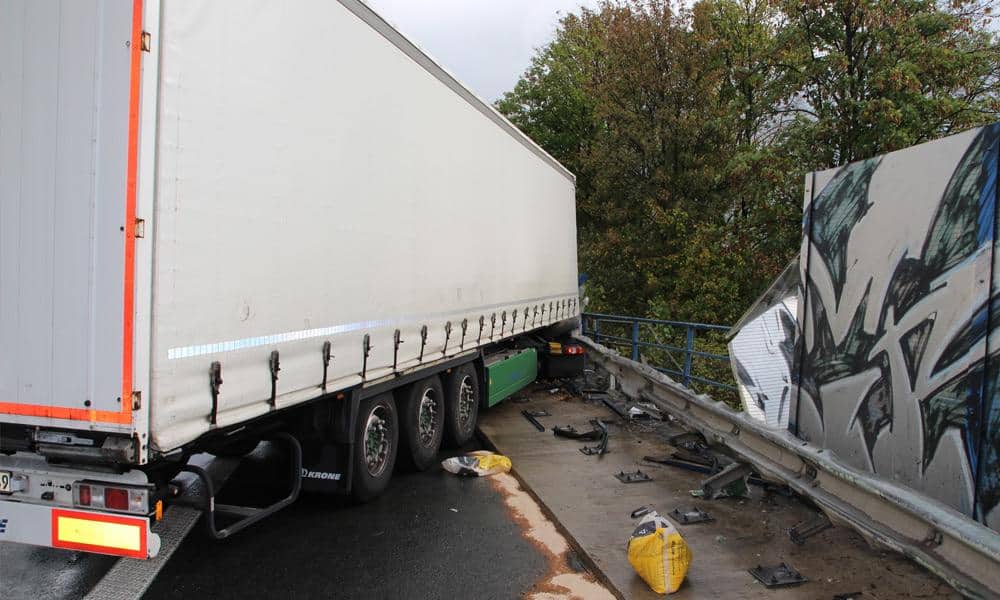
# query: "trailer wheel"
[461,405]
[376,443]
[421,418]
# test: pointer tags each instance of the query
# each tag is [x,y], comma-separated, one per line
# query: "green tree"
[690,130]
[551,103]
[877,75]
[726,261]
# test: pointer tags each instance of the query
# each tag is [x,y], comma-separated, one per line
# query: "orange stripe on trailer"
[61,412]
[128,300]
[101,533]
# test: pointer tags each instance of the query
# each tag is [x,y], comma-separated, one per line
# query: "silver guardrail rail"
[961,551]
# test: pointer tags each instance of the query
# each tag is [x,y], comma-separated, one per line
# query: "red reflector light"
[575,350]
[96,532]
[116,498]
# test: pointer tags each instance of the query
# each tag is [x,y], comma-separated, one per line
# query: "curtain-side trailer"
[223,221]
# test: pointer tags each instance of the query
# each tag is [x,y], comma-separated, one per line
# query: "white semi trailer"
[222,221]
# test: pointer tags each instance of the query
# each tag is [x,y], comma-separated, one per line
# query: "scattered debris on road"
[531,419]
[602,448]
[645,410]
[731,482]
[777,576]
[636,476]
[570,432]
[801,532]
[751,526]
[690,516]
[614,408]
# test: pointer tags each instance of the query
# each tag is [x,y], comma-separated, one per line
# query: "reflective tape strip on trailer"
[90,531]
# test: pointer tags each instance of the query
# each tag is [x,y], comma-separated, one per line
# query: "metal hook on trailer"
[326,361]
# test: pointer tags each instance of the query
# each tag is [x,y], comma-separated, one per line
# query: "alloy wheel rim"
[427,417]
[376,441]
[466,401]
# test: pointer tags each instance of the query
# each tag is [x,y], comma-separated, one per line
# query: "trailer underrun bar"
[961,551]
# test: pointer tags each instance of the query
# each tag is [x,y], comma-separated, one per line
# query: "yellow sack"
[495,463]
[659,554]
[477,464]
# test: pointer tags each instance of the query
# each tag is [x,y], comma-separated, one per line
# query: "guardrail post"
[635,341]
[597,330]
[688,349]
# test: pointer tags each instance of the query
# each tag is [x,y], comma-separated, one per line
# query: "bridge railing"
[692,353]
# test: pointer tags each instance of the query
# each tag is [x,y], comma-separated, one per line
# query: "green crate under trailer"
[508,372]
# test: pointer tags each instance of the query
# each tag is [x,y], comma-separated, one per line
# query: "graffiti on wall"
[762,351]
[900,329]
[884,346]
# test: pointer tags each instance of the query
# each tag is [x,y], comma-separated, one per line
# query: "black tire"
[378,422]
[461,405]
[420,445]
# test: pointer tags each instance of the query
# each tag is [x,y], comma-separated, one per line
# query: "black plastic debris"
[849,596]
[641,511]
[614,408]
[635,414]
[805,530]
[680,461]
[690,516]
[593,395]
[777,576]
[730,482]
[539,412]
[690,441]
[681,464]
[570,432]
[702,457]
[645,410]
[531,419]
[636,476]
[602,448]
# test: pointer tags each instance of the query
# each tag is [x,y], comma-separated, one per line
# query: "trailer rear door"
[68,133]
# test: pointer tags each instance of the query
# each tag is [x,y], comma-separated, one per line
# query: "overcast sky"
[486,44]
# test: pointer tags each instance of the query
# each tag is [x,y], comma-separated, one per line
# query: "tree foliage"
[690,129]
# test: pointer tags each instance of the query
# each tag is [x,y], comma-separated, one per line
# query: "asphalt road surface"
[432,535]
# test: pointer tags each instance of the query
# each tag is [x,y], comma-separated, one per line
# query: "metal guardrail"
[964,553]
[634,342]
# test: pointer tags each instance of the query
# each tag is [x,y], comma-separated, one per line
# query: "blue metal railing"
[627,333]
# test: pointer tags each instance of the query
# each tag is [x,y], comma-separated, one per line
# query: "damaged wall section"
[884,348]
